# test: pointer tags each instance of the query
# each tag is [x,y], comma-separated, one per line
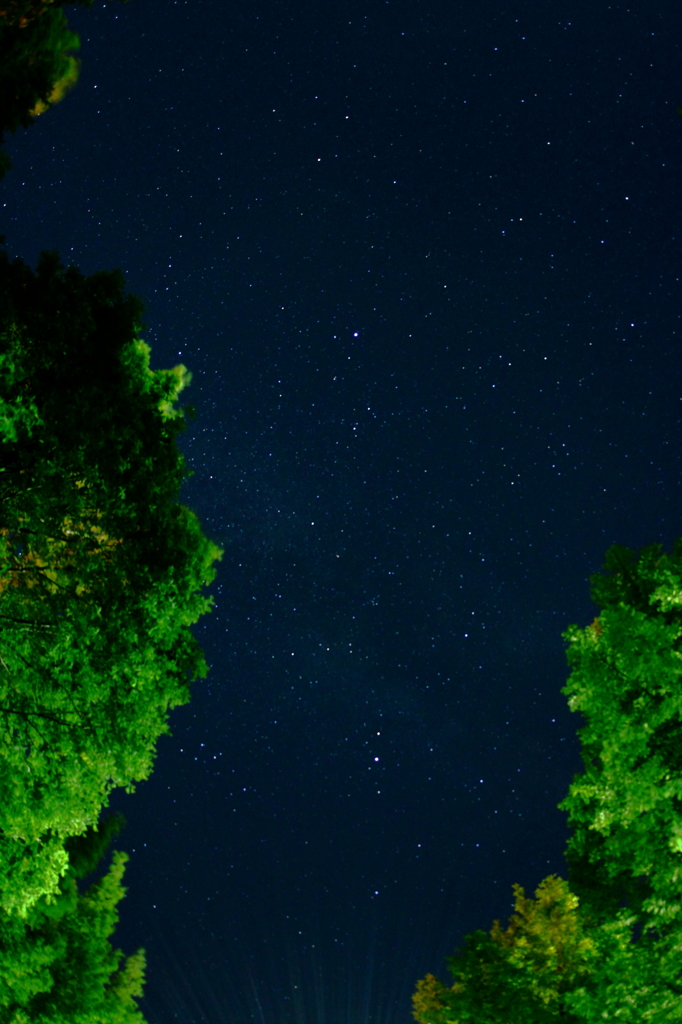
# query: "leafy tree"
[57,965]
[21,12]
[625,813]
[519,975]
[37,65]
[101,568]
[625,808]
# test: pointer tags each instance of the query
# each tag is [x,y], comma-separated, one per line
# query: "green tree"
[57,965]
[623,910]
[625,807]
[517,976]
[101,568]
[37,66]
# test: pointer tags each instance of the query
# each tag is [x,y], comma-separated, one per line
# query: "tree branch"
[29,622]
[29,714]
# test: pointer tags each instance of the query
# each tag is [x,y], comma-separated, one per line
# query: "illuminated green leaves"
[626,681]
[102,571]
[57,964]
[517,975]
[610,946]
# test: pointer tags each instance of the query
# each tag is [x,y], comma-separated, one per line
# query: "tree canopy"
[625,808]
[102,574]
[617,922]
[519,975]
[57,965]
[38,65]
[102,570]
[21,12]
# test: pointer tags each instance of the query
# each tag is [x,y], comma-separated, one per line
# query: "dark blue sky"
[423,260]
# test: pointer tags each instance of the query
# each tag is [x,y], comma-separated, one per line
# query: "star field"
[423,262]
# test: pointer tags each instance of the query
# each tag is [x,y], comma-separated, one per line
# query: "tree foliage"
[101,568]
[519,975]
[626,682]
[625,807]
[624,904]
[38,65]
[57,965]
[22,12]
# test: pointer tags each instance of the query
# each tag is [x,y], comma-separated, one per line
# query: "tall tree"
[625,807]
[57,965]
[38,65]
[519,975]
[624,904]
[101,568]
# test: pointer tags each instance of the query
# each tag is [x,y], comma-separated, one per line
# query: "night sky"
[422,258]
